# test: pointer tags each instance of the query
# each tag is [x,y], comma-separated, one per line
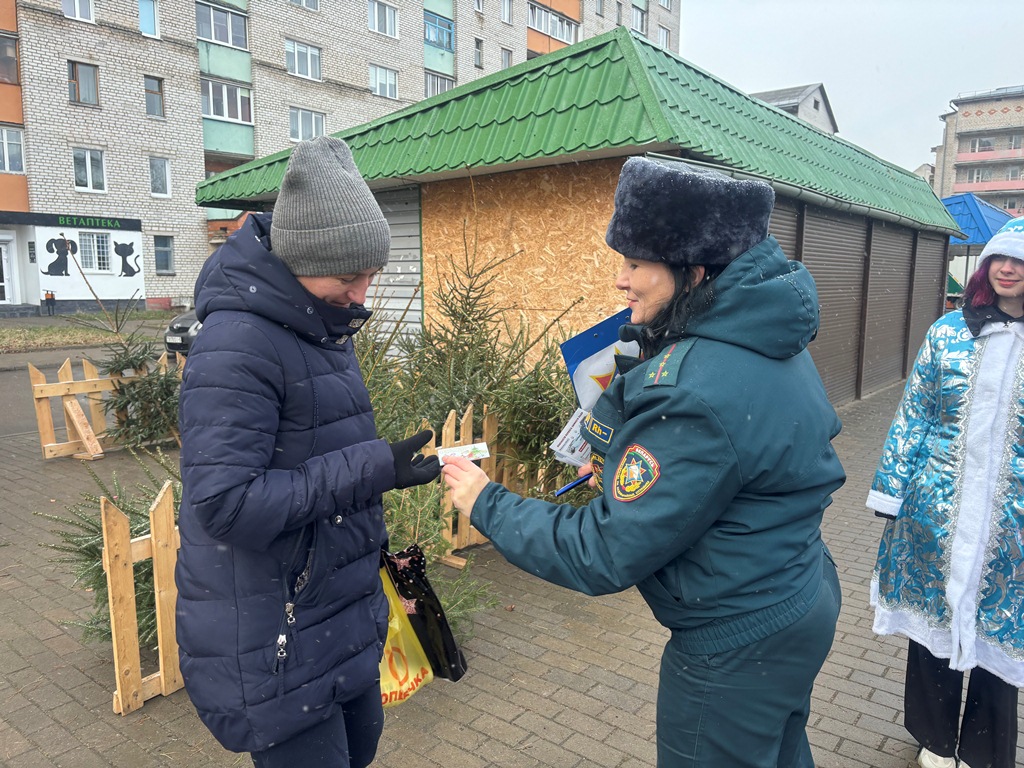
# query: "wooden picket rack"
[120,553]
[85,432]
[459,532]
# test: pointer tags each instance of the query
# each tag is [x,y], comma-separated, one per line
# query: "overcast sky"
[889,67]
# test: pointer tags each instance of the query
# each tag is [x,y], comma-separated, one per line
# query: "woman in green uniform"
[713,463]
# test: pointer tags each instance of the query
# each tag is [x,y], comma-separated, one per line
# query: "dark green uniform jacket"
[717,467]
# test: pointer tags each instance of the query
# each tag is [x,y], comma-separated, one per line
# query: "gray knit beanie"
[326,221]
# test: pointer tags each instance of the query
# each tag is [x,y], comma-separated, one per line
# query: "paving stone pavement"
[556,679]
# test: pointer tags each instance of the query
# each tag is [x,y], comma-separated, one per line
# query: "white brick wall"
[119,125]
[127,136]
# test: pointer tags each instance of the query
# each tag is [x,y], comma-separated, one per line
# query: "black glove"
[413,468]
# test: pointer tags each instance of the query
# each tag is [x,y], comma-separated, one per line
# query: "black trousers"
[346,740]
[988,731]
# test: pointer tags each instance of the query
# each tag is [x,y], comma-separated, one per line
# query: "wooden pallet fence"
[86,427]
[120,553]
[515,476]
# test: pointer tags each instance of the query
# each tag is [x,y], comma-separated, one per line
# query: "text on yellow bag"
[404,668]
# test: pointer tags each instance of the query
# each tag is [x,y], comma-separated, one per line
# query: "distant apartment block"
[982,150]
[111,111]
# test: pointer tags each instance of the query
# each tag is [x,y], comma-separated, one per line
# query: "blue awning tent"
[975,218]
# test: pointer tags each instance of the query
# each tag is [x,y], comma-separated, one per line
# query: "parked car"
[181,333]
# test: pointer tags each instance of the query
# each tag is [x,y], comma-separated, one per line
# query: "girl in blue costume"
[713,462]
[950,568]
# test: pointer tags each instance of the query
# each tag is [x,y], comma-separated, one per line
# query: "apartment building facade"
[982,150]
[111,111]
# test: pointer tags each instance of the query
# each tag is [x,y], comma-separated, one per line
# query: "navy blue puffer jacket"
[281,616]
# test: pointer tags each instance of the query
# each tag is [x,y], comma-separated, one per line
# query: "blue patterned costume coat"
[950,567]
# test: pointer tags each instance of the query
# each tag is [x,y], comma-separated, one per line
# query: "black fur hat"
[682,215]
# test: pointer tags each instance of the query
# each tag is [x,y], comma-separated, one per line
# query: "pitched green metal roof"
[611,95]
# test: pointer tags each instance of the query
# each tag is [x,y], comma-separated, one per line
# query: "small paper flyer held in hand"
[569,446]
[473,452]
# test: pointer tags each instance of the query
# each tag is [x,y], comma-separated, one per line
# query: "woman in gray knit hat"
[713,463]
[281,618]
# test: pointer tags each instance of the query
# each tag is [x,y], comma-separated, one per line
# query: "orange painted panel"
[570,8]
[14,192]
[541,43]
[10,104]
[8,19]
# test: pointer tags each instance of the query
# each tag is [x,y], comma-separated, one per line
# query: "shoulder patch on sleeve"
[636,474]
[663,370]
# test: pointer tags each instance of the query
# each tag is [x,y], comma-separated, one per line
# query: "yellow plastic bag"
[404,668]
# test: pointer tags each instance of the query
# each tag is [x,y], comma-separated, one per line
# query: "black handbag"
[408,571]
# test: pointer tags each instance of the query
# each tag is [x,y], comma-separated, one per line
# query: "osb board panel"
[554,218]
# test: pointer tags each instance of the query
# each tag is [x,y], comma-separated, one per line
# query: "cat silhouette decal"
[126,250]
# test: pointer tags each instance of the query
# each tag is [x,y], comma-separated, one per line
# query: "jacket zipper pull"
[282,652]
[289,611]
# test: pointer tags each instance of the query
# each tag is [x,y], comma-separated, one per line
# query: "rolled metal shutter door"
[888,299]
[929,297]
[784,226]
[834,252]
[394,297]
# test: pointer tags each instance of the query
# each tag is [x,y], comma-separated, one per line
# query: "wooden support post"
[124,625]
[165,544]
[80,430]
[44,416]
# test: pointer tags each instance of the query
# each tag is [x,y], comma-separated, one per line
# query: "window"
[638,21]
[436,84]
[1014,173]
[148,18]
[77,9]
[304,124]
[8,60]
[552,24]
[219,25]
[11,160]
[1016,141]
[313,5]
[302,60]
[383,18]
[665,4]
[94,251]
[160,176]
[478,53]
[664,37]
[83,85]
[978,174]
[163,252]
[506,58]
[599,7]
[982,144]
[506,11]
[618,13]
[154,95]
[383,82]
[438,31]
[226,101]
[478,6]
[88,170]
[1011,204]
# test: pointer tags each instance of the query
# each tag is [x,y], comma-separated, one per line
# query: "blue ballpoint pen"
[573,484]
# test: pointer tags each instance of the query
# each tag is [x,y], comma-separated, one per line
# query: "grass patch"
[24,337]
